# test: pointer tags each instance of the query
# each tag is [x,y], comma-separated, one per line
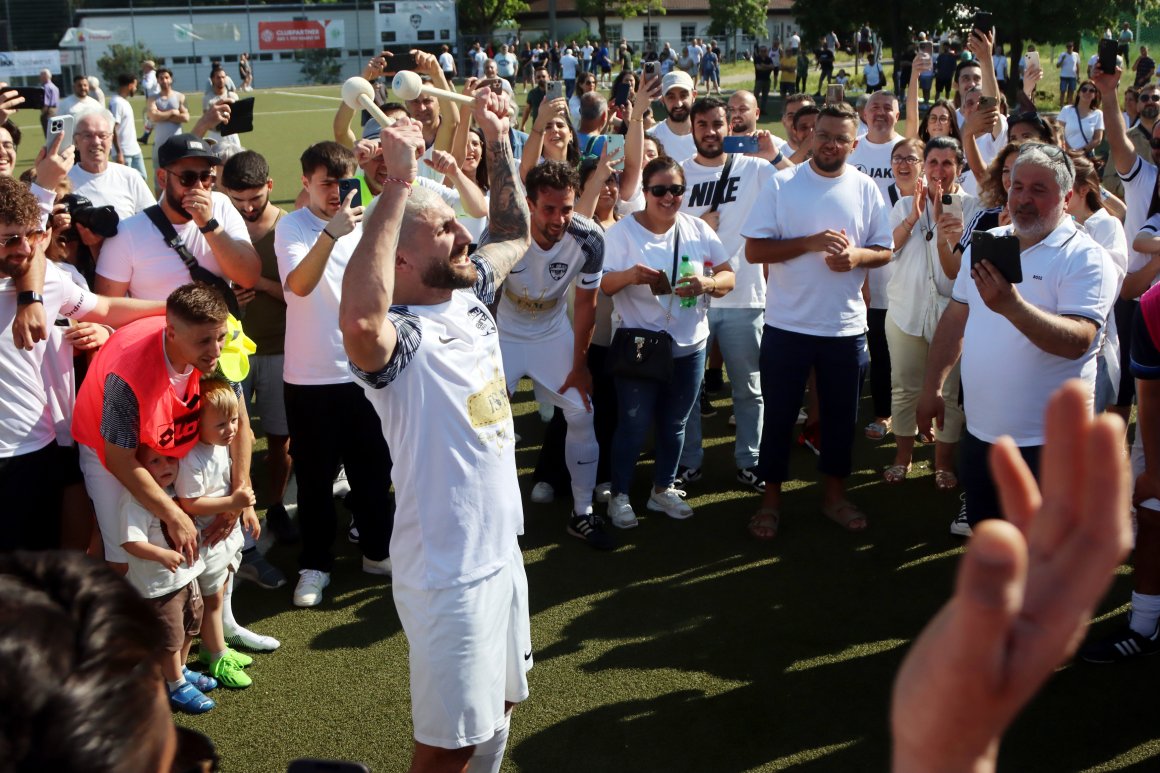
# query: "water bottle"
[708,274]
[687,269]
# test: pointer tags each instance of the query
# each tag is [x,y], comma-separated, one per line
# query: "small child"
[156,571]
[203,491]
[842,78]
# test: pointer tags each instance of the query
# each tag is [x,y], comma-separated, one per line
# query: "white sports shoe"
[620,512]
[671,503]
[341,486]
[237,636]
[543,493]
[382,568]
[308,592]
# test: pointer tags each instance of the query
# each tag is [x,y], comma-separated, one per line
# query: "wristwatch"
[27,297]
[210,227]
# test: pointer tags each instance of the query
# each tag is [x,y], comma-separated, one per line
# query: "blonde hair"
[217,393]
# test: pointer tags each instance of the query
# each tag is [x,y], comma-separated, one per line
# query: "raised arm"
[912,116]
[428,64]
[634,138]
[1123,152]
[509,223]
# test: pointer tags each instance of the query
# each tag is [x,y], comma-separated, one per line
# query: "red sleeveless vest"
[167,422]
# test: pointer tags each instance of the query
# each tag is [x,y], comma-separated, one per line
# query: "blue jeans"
[641,401]
[137,162]
[738,333]
[786,360]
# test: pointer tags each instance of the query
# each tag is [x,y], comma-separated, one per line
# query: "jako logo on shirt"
[877,173]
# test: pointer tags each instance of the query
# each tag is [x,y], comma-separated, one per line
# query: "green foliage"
[482,16]
[321,66]
[745,16]
[122,59]
[623,8]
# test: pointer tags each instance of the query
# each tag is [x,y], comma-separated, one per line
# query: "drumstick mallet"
[409,85]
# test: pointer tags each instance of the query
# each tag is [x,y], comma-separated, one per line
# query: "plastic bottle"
[708,274]
[685,270]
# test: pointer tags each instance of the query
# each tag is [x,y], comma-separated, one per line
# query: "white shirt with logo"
[873,160]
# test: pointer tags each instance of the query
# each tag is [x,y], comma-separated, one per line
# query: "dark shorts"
[180,611]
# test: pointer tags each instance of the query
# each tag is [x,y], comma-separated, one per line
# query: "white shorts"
[547,363]
[470,651]
[105,491]
[219,559]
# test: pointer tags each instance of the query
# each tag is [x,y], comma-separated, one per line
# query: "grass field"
[689,648]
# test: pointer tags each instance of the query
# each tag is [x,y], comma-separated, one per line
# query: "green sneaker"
[243,660]
[229,673]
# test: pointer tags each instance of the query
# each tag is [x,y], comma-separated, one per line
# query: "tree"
[121,59]
[320,65]
[483,16]
[625,9]
[730,17]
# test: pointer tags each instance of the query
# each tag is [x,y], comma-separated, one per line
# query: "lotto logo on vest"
[183,431]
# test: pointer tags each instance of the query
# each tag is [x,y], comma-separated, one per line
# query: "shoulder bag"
[640,353]
[197,272]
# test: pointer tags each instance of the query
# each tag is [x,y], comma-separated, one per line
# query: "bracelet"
[777,159]
[333,238]
[400,181]
[636,120]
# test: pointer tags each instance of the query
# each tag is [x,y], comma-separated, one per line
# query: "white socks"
[488,756]
[1145,614]
[228,621]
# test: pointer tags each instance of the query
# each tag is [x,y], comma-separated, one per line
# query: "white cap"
[674,79]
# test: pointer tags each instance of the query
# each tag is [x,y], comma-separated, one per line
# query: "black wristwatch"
[210,227]
[27,297]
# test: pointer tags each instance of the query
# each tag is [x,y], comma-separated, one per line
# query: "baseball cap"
[184,145]
[676,78]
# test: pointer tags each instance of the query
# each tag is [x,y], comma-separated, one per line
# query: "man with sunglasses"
[96,178]
[139,262]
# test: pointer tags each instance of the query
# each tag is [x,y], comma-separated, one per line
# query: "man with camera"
[1033,299]
[100,181]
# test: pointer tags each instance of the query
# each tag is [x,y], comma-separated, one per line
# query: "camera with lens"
[102,221]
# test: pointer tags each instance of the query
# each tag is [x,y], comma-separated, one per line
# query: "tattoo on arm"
[508,221]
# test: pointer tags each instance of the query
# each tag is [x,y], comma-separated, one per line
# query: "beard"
[713,152]
[15,267]
[1034,226]
[679,114]
[828,166]
[175,202]
[442,276]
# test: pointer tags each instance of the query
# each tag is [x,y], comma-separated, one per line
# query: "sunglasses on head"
[661,190]
[189,177]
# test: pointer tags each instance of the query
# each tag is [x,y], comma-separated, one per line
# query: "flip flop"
[764,523]
[846,515]
[878,430]
[895,473]
[945,480]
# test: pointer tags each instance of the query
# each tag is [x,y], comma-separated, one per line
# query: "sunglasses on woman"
[661,190]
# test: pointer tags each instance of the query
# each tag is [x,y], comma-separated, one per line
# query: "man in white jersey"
[676,131]
[128,150]
[416,327]
[100,180]
[534,333]
[721,189]
[820,227]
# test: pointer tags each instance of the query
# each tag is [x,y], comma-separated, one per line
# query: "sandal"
[846,515]
[945,480]
[895,473]
[764,523]
[878,430]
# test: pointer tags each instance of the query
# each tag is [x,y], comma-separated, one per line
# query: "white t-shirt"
[1000,66]
[314,353]
[586,53]
[1076,129]
[480,60]
[506,64]
[678,146]
[628,242]
[149,84]
[803,294]
[873,160]
[139,255]
[747,177]
[1068,64]
[919,289]
[543,275]
[1066,274]
[443,398]
[568,65]
[119,186]
[26,421]
[1139,183]
[126,128]
[151,578]
[78,106]
[446,62]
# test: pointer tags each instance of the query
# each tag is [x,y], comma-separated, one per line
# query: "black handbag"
[640,353]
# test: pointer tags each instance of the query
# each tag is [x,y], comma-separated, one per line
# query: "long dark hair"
[924,128]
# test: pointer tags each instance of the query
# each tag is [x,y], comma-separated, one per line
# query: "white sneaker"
[671,503]
[341,486]
[602,492]
[543,493]
[620,512]
[308,593]
[237,636]
[382,568]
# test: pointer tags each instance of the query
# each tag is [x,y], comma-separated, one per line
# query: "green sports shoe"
[243,660]
[229,673]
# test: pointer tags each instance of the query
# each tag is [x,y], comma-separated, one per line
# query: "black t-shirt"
[763,75]
[944,66]
[1145,359]
[825,58]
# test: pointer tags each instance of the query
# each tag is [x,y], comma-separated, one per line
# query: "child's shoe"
[190,700]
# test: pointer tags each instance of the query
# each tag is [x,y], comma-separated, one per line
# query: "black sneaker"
[707,408]
[1123,645]
[749,478]
[278,521]
[960,526]
[352,533]
[686,475]
[714,380]
[590,528]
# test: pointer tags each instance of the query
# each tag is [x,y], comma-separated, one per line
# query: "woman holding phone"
[551,139]
[1083,121]
[643,258]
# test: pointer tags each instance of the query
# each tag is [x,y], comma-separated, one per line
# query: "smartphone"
[739,144]
[348,184]
[1031,61]
[835,93]
[1109,53]
[952,203]
[60,125]
[555,90]
[326,766]
[663,286]
[925,63]
[986,103]
[926,47]
[1002,251]
[33,96]
[620,94]
[615,145]
[983,21]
